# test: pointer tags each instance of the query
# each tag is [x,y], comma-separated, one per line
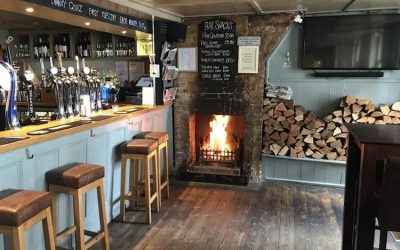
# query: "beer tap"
[43,81]
[76,92]
[89,85]
[84,98]
[59,87]
[68,92]
[9,83]
[98,94]
[26,82]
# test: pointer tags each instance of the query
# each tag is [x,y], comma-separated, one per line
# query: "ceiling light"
[29,9]
[123,32]
[87,23]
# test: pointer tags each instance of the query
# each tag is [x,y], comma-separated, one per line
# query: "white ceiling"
[191,8]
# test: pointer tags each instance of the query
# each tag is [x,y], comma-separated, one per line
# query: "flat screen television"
[364,42]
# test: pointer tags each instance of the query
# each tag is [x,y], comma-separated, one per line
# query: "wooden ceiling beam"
[154,11]
[181,3]
[256,7]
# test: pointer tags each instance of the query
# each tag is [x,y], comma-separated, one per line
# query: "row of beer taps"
[70,85]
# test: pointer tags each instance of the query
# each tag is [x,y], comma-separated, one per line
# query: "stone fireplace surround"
[243,96]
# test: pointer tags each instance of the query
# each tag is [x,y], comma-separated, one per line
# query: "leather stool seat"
[75,175]
[136,151]
[161,137]
[76,179]
[162,140]
[139,146]
[18,206]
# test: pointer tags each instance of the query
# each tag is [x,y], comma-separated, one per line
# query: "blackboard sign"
[81,8]
[217,50]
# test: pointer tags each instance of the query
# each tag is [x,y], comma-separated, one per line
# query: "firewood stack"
[290,130]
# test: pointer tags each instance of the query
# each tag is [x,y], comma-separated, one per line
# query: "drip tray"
[126,111]
[98,118]
[58,128]
[11,139]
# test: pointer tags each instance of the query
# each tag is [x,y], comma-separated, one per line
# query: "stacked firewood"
[290,130]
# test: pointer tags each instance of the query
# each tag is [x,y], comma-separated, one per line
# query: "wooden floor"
[279,216]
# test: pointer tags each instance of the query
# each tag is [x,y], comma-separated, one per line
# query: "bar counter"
[33,139]
[23,164]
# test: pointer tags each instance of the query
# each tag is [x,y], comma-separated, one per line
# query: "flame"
[218,134]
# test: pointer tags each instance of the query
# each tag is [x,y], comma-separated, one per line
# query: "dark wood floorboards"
[279,216]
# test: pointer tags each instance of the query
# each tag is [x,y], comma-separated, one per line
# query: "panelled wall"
[99,145]
[321,95]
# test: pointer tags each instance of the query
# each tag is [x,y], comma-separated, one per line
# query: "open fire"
[219,145]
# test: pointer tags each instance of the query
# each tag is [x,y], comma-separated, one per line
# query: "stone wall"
[246,89]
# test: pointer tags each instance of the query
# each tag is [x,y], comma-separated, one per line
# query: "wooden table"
[367,144]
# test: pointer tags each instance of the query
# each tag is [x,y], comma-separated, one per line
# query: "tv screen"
[352,42]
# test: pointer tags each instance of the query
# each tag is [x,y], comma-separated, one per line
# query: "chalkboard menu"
[80,8]
[217,50]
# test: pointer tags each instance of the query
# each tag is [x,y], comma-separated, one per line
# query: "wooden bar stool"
[20,210]
[162,139]
[139,150]
[76,179]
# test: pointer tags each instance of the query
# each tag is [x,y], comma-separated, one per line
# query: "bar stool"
[76,179]
[139,150]
[20,210]
[162,139]
[388,204]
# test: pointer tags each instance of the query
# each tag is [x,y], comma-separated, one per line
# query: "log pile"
[290,130]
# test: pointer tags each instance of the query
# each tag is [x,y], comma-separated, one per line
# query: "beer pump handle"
[59,59]
[51,62]
[77,64]
[42,66]
[83,63]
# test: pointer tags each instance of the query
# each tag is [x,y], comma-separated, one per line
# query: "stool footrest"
[96,238]
[65,233]
[163,185]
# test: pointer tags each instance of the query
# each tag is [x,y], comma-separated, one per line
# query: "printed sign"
[249,41]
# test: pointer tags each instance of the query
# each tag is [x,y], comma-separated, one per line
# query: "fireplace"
[217,144]
[241,96]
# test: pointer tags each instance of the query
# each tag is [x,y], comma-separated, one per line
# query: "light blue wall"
[321,95]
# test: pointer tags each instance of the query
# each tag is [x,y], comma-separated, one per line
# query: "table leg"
[350,200]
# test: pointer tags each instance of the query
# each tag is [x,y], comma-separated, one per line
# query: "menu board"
[80,8]
[217,50]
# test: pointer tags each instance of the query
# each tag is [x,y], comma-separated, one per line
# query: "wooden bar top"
[33,139]
[375,133]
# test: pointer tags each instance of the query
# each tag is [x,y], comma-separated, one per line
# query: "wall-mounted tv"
[352,42]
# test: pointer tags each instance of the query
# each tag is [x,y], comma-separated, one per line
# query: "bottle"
[65,47]
[80,54]
[35,49]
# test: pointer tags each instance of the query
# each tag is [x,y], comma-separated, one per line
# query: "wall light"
[29,9]
[87,23]
[123,32]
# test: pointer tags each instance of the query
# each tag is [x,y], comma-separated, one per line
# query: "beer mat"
[58,128]
[126,111]
[98,118]
[7,140]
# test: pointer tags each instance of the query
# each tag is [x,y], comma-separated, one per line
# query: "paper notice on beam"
[248,59]
[136,70]
[121,69]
